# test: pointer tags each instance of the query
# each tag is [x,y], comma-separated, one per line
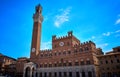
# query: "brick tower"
[36,35]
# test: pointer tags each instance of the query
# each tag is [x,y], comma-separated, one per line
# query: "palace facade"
[67,58]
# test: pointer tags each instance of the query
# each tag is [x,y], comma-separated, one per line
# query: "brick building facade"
[67,58]
[20,66]
[109,64]
[7,65]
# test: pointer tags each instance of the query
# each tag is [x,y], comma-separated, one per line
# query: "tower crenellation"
[70,33]
[62,37]
[38,14]
[46,50]
[54,38]
[88,42]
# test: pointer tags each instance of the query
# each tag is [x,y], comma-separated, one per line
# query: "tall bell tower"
[36,35]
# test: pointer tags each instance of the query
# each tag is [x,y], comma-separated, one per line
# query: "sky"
[96,20]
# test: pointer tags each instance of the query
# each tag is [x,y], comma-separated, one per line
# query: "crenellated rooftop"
[46,50]
[62,37]
[85,43]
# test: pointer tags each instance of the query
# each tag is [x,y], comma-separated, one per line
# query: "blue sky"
[96,20]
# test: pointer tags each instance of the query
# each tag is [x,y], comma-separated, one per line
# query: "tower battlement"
[84,44]
[59,38]
[46,50]
[87,42]
[62,37]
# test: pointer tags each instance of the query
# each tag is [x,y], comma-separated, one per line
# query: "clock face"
[33,49]
[61,43]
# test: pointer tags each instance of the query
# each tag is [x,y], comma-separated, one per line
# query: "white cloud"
[102,45]
[93,37]
[117,31]
[117,21]
[63,17]
[107,34]
[45,45]
[111,33]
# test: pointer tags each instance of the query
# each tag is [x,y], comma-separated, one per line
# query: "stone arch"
[27,72]
[29,69]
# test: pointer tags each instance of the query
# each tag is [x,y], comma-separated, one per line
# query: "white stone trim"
[81,59]
[76,60]
[84,68]
[88,59]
